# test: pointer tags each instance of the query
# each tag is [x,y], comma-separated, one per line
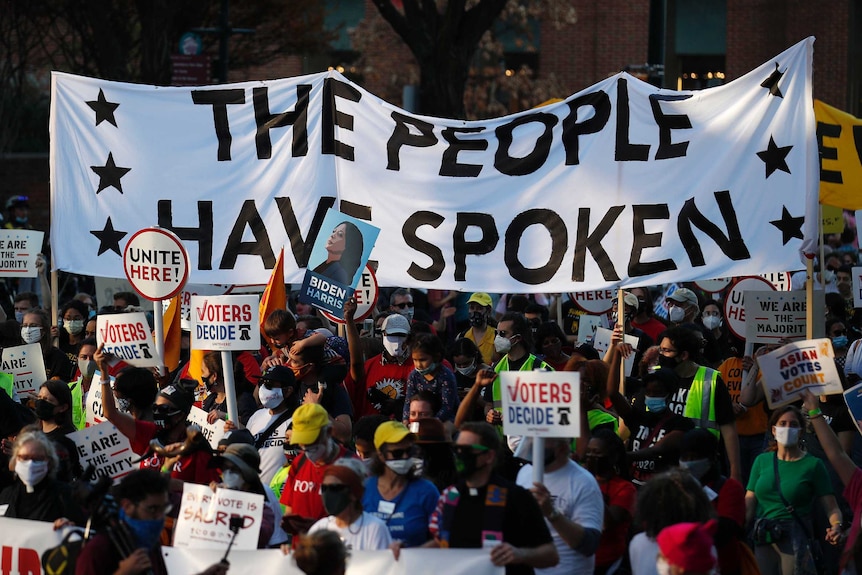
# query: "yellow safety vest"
[700,402]
[79,418]
[503,365]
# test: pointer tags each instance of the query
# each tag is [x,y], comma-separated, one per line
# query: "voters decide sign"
[127,337]
[593,192]
[225,323]
[541,403]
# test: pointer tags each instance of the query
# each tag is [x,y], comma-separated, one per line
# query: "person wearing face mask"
[36,328]
[687,549]
[698,453]
[24,301]
[135,391]
[605,458]
[215,403]
[379,381]
[485,510]
[429,374]
[53,408]
[81,386]
[656,430]
[467,361]
[549,338]
[572,504]
[238,465]
[394,493]
[143,507]
[278,391]
[630,305]
[401,302]
[341,492]
[481,331]
[312,432]
[785,481]
[645,318]
[682,306]
[436,461]
[37,494]
[317,385]
[73,315]
[837,332]
[170,410]
[720,343]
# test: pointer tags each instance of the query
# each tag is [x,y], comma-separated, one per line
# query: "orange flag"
[275,295]
[171,319]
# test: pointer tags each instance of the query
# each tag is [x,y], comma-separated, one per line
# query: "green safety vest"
[79,418]
[700,402]
[503,365]
[7,381]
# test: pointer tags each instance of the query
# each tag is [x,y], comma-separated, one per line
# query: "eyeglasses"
[407,304]
[666,351]
[334,488]
[469,449]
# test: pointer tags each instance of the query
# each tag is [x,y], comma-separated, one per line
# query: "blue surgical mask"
[19,316]
[428,370]
[146,531]
[839,342]
[655,404]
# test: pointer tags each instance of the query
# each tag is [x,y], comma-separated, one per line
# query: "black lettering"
[732,245]
[593,242]
[265,121]
[408,232]
[510,166]
[401,136]
[450,165]
[331,117]
[462,248]
[626,151]
[668,122]
[643,240]
[572,129]
[825,130]
[302,247]
[219,100]
[203,234]
[354,210]
[559,242]
[248,216]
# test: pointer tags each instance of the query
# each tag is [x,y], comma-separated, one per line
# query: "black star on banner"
[771,83]
[790,227]
[104,109]
[109,238]
[775,157]
[110,174]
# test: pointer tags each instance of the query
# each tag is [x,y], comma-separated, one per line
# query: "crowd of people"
[388,434]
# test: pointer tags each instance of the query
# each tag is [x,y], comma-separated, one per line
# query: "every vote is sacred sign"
[541,403]
[225,323]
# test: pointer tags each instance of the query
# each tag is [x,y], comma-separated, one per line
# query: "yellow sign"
[839,138]
[833,219]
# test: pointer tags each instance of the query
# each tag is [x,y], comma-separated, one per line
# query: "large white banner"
[619,184]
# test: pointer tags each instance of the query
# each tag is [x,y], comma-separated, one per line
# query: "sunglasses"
[473,449]
[399,453]
[407,304]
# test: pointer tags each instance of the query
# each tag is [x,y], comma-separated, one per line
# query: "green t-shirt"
[802,482]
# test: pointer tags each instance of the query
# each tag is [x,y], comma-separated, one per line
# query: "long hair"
[776,415]
[669,498]
[61,392]
[353,248]
[31,434]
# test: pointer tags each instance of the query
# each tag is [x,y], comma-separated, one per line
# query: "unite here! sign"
[541,403]
[225,323]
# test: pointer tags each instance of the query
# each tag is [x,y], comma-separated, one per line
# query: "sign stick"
[229,386]
[159,326]
[538,459]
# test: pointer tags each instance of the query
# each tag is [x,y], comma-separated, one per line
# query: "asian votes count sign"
[541,403]
[224,323]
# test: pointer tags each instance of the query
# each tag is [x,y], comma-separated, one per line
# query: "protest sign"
[796,367]
[337,260]
[774,315]
[27,366]
[95,414]
[18,251]
[212,431]
[104,447]
[156,263]
[225,323]
[366,294]
[475,206]
[779,280]
[734,304]
[857,286]
[853,399]
[603,341]
[204,518]
[595,302]
[587,327]
[714,285]
[127,337]
[24,543]
[541,403]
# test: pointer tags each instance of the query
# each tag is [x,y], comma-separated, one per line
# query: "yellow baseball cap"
[391,432]
[308,420]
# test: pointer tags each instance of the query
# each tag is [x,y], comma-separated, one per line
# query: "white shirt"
[576,495]
[272,451]
[368,533]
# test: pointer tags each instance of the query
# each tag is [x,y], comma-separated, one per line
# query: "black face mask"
[465,464]
[163,416]
[666,362]
[335,500]
[598,466]
[477,318]
[44,410]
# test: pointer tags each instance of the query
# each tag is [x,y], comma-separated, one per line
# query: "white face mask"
[662,567]
[828,276]
[31,472]
[400,466]
[786,435]
[394,345]
[502,344]
[232,478]
[676,314]
[407,312]
[270,398]
[711,321]
[87,367]
[31,334]
[74,326]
